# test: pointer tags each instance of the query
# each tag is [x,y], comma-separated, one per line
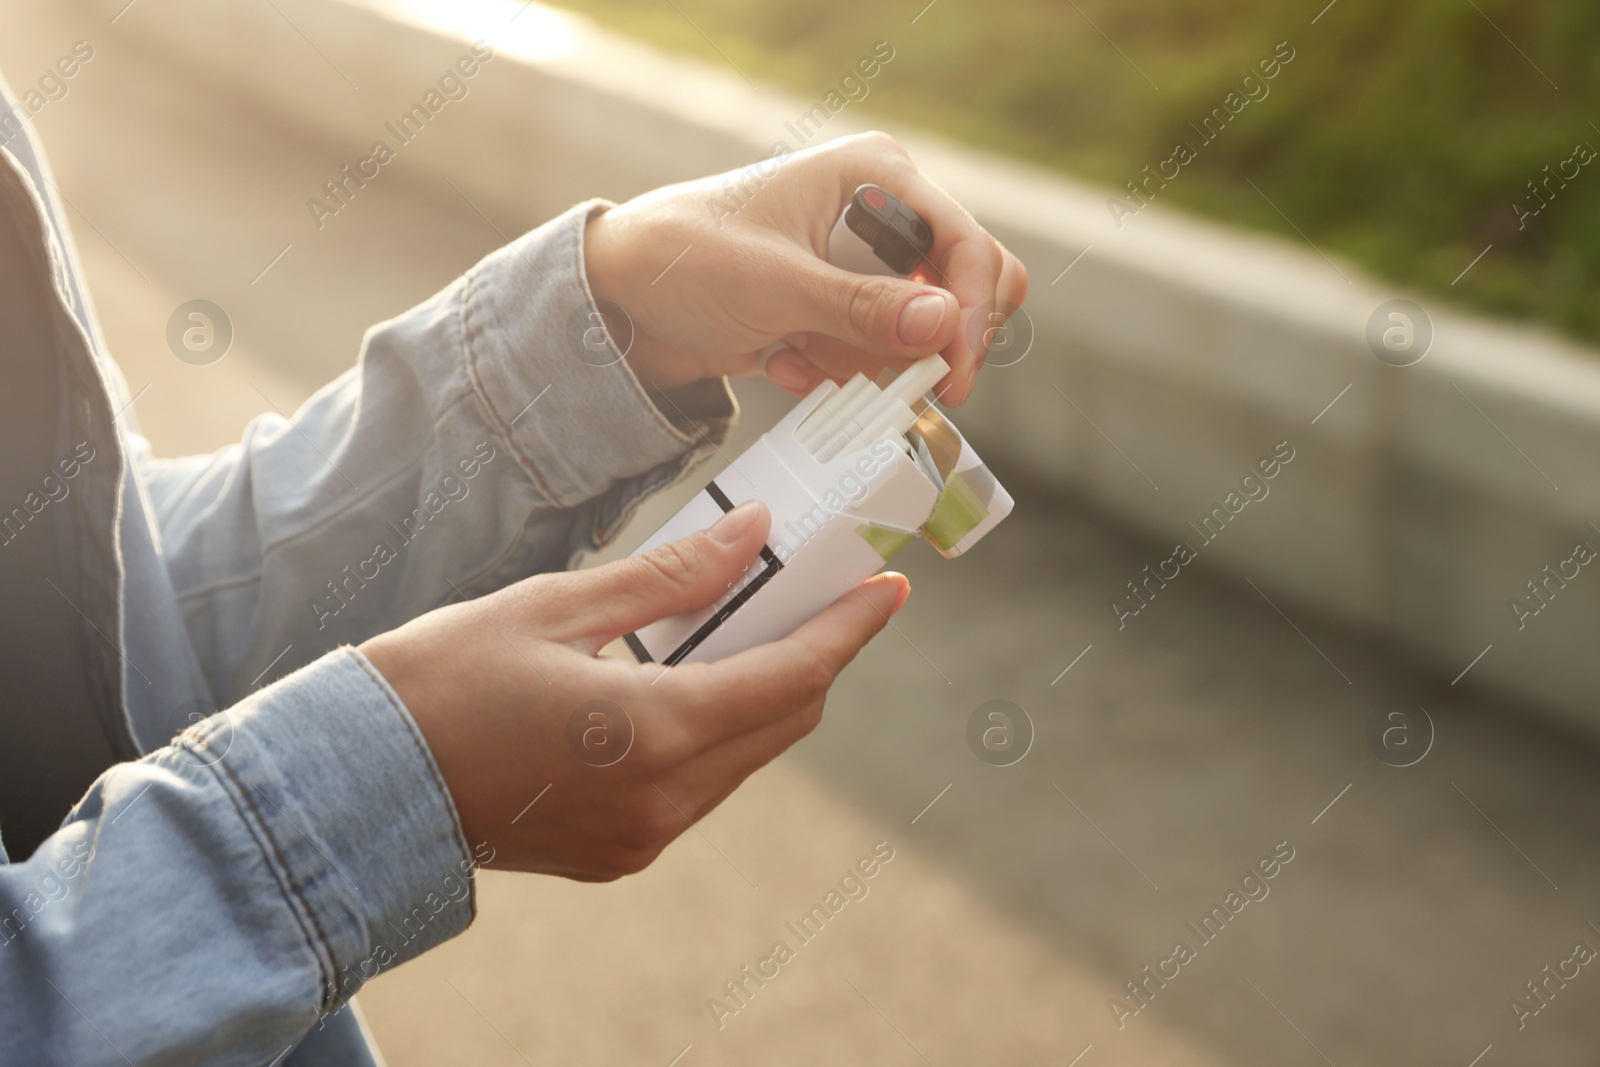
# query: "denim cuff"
[530,331]
[342,795]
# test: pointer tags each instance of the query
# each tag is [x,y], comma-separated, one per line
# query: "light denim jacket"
[218,897]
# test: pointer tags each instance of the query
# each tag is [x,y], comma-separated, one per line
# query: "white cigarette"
[839,409]
[904,391]
[895,419]
[811,429]
[918,378]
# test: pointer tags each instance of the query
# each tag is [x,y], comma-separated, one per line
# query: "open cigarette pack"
[851,476]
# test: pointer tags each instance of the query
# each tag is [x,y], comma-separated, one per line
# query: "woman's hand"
[620,757]
[708,283]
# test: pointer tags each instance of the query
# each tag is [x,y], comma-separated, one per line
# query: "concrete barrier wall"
[1171,358]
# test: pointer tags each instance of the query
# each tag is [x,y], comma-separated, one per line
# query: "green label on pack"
[884,541]
[957,513]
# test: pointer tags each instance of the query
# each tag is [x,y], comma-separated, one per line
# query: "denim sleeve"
[483,436]
[202,905]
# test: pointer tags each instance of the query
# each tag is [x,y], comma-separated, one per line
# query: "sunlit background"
[1399,135]
[1436,152]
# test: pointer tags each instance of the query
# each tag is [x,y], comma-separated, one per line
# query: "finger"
[765,684]
[596,606]
[892,318]
[706,779]
[967,261]
[793,372]
[1013,286]
[841,361]
[825,357]
[990,329]
[965,258]
[1013,281]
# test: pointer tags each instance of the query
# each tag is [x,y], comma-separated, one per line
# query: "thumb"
[672,578]
[888,317]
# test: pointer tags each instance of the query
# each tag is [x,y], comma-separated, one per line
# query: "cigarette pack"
[835,523]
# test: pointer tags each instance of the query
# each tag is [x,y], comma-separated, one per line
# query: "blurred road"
[1169,757]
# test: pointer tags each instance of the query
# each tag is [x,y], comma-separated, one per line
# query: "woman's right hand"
[512,698]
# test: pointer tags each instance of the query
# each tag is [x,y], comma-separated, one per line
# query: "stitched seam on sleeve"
[581,272]
[422,748]
[487,409]
[299,907]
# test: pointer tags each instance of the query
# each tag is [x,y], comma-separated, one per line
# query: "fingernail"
[733,525]
[788,371]
[920,318]
[904,595]
[878,590]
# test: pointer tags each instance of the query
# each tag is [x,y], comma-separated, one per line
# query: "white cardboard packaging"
[834,525]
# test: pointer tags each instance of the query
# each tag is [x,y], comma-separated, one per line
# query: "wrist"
[605,265]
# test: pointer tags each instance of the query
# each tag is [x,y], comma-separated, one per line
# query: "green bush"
[1399,136]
